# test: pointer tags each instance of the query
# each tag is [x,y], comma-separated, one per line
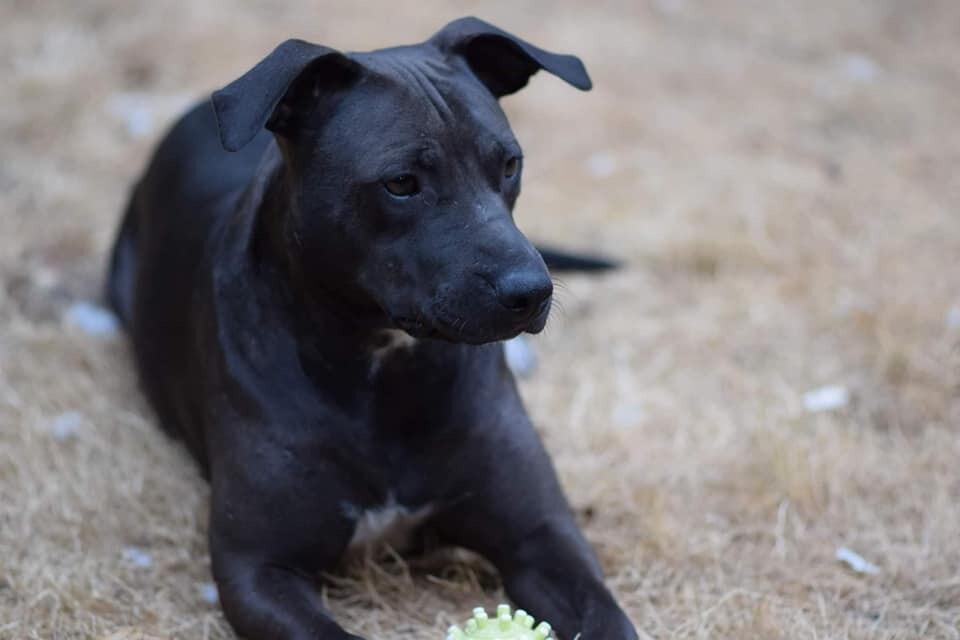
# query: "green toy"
[504,627]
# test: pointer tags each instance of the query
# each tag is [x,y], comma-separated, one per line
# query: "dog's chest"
[391,343]
[390,523]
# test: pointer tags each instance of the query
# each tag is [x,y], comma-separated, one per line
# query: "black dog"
[317,313]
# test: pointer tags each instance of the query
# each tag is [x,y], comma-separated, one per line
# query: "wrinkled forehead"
[433,93]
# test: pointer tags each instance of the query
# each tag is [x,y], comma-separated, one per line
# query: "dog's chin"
[466,332]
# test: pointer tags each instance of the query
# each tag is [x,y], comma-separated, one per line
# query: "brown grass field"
[783,180]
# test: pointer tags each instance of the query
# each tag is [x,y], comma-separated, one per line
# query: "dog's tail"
[561,260]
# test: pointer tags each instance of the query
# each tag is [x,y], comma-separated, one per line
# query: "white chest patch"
[393,340]
[391,524]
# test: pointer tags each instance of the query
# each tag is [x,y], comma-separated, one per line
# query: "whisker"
[556,306]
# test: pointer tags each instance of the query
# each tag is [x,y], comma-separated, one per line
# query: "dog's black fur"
[316,315]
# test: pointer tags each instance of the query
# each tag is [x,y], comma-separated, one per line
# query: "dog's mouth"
[463,330]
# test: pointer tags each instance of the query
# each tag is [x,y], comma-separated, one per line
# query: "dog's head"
[402,173]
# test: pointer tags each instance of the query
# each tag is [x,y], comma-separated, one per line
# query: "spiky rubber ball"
[519,626]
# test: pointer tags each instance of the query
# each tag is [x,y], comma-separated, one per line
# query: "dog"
[316,270]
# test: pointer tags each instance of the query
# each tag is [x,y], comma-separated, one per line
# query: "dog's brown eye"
[510,168]
[403,186]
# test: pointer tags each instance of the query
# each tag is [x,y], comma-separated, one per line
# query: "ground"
[782,182]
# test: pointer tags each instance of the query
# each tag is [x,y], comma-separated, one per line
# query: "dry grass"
[784,180]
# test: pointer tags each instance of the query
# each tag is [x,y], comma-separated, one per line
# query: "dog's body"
[316,315]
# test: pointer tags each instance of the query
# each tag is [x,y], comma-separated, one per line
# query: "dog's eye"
[511,167]
[403,186]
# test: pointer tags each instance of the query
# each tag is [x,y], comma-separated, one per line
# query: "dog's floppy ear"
[503,62]
[268,94]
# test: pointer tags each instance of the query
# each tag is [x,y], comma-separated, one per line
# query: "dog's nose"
[524,292]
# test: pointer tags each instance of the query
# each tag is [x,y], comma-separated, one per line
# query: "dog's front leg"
[273,530]
[551,571]
[513,511]
[270,601]
[547,569]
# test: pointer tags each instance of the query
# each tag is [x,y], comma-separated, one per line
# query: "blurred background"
[757,419]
